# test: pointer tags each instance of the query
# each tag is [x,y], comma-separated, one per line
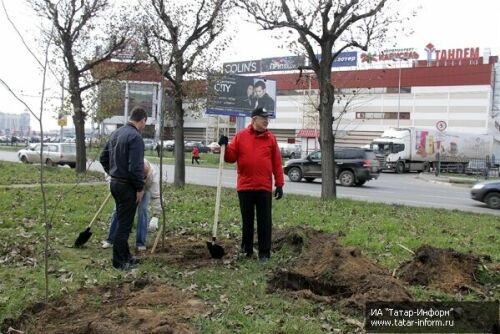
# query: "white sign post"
[441,126]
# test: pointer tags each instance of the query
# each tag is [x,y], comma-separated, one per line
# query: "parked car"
[149,144]
[354,166]
[168,145]
[488,193]
[291,151]
[214,147]
[53,154]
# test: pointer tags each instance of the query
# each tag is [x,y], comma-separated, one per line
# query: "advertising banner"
[242,67]
[289,63]
[233,95]
[346,58]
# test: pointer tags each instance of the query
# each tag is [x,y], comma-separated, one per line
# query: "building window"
[141,95]
[395,90]
[382,115]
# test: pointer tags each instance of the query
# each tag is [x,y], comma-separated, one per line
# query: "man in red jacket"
[258,158]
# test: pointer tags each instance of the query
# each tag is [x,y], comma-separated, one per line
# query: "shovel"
[84,236]
[216,251]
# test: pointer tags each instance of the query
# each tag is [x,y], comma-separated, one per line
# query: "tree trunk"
[180,164]
[328,186]
[79,121]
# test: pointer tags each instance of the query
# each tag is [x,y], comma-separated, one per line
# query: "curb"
[450,181]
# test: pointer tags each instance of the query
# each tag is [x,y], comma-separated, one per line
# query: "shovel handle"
[217,196]
[160,231]
[100,210]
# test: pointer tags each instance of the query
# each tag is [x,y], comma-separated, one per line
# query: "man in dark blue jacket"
[123,159]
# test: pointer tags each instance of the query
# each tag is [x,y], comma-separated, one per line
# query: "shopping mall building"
[459,89]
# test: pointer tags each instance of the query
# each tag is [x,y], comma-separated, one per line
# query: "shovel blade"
[83,237]
[216,251]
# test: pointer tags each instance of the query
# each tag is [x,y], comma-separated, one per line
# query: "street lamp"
[399,84]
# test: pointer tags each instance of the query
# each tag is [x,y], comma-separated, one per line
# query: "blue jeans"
[142,222]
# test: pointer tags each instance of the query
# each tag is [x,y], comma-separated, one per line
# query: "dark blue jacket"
[123,156]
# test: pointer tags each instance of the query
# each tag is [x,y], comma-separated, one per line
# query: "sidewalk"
[458,180]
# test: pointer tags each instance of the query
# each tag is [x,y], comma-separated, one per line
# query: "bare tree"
[347,100]
[44,68]
[331,26]
[184,39]
[79,27]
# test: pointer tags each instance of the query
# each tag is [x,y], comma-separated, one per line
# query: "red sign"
[451,54]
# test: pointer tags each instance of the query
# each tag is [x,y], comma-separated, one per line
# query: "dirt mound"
[131,307]
[190,250]
[327,268]
[444,269]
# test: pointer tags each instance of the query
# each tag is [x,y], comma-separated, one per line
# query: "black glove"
[278,193]
[223,140]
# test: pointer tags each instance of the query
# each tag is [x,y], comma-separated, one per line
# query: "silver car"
[53,154]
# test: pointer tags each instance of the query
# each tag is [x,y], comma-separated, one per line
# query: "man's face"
[142,124]
[260,123]
[259,91]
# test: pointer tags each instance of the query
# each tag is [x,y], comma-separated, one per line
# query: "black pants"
[125,197]
[259,201]
[193,159]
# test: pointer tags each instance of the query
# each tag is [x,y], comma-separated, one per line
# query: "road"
[390,188]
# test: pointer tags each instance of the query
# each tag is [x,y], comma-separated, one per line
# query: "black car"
[354,166]
[488,193]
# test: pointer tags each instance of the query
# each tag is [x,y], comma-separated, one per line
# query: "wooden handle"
[100,209]
[217,197]
[160,230]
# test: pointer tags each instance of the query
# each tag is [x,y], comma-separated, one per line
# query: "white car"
[214,147]
[53,154]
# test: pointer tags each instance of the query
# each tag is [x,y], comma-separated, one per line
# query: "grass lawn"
[238,292]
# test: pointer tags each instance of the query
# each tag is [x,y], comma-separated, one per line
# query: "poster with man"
[239,95]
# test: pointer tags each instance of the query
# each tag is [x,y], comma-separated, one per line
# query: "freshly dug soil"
[132,307]
[191,251]
[443,269]
[327,268]
[321,269]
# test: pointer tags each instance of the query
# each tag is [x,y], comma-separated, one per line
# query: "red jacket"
[258,158]
[196,152]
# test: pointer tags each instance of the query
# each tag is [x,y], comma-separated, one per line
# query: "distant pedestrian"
[158,148]
[195,155]
[258,158]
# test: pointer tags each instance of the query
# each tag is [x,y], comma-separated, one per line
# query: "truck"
[413,149]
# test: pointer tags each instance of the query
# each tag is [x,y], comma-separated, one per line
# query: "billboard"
[233,95]
[346,58]
[242,67]
[289,63]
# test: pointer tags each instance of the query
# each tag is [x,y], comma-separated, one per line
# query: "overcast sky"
[446,23]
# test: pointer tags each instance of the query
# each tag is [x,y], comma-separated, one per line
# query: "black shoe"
[134,260]
[126,266]
[263,259]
